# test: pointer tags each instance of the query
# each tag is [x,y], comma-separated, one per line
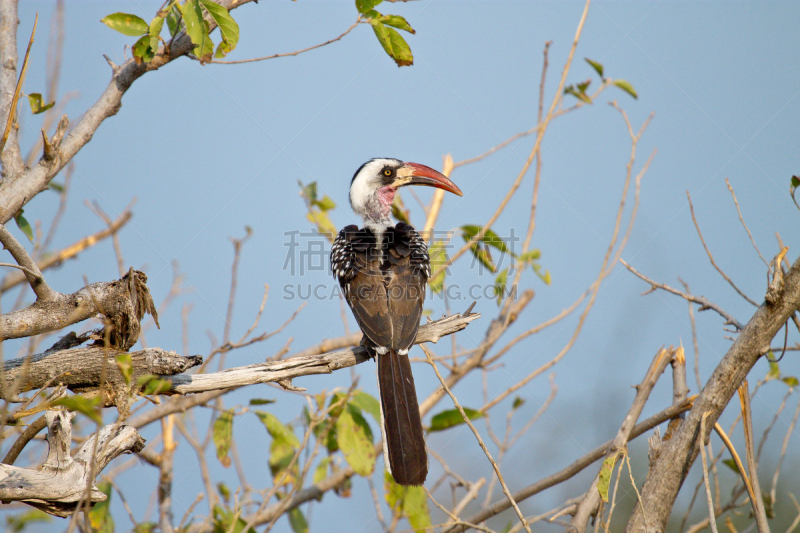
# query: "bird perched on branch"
[383,270]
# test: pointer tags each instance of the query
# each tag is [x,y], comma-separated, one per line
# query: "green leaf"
[222,434]
[152,384]
[395,21]
[355,441]
[155,30]
[197,30]
[577,93]
[19,522]
[468,232]
[627,87]
[259,401]
[23,225]
[530,256]
[125,367]
[393,492]
[415,508]
[224,491]
[126,24]
[518,402]
[399,211]
[229,522]
[282,448]
[365,5]
[500,285]
[393,43]
[483,255]
[451,417]
[308,192]
[277,429]
[538,270]
[322,221]
[55,186]
[35,100]
[145,527]
[228,28]
[604,478]
[80,404]
[142,51]
[410,502]
[583,86]
[438,257]
[774,369]
[790,381]
[598,67]
[174,21]
[795,182]
[100,515]
[298,521]
[730,463]
[321,471]
[366,402]
[326,204]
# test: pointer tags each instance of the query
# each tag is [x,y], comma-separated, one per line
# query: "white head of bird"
[375,183]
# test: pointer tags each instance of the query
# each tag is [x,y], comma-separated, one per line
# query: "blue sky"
[208,150]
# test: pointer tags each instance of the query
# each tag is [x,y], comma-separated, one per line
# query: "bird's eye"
[387,172]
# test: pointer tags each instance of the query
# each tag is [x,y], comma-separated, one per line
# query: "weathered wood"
[294,367]
[81,369]
[123,302]
[61,482]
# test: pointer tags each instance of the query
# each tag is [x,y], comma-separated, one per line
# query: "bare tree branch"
[575,467]
[19,186]
[31,271]
[699,300]
[57,258]
[123,302]
[293,367]
[677,455]
[10,157]
[588,506]
[58,486]
[80,369]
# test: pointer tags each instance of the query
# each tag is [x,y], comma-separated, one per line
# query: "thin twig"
[32,272]
[747,424]
[741,219]
[577,466]
[711,258]
[699,300]
[774,489]
[297,52]
[12,110]
[737,460]
[557,98]
[711,511]
[480,440]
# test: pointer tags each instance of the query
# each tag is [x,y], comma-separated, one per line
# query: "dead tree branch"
[81,369]
[293,367]
[123,303]
[589,504]
[59,485]
[678,454]
[57,258]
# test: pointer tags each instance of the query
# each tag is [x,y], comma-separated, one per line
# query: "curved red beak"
[416,174]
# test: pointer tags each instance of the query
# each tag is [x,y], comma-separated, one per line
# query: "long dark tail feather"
[404,442]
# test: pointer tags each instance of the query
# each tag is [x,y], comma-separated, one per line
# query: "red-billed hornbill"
[383,270]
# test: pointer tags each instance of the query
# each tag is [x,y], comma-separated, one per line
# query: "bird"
[383,270]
